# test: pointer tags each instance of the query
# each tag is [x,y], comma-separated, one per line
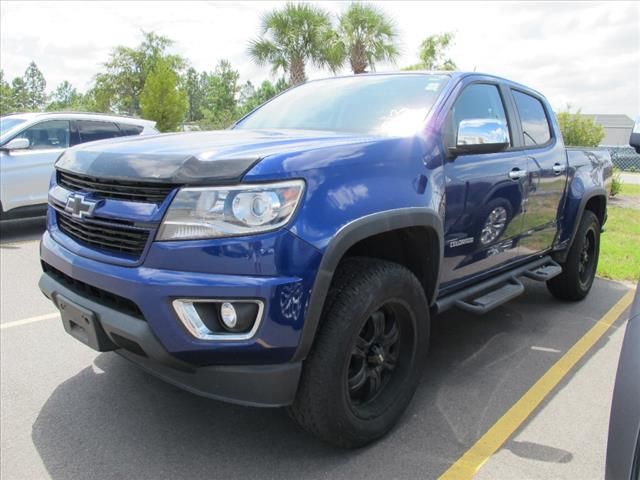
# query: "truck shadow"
[114,421]
[12,231]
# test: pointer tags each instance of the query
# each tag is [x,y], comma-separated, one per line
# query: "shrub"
[616,183]
[579,131]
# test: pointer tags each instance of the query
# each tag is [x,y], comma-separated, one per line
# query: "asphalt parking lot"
[68,412]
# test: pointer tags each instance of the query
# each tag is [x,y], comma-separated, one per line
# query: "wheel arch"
[417,223]
[595,201]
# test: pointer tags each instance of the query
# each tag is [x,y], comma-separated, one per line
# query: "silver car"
[30,143]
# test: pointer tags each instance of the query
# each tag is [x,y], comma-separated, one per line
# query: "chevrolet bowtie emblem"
[79,206]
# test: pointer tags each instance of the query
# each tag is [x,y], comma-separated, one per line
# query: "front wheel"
[579,269]
[367,358]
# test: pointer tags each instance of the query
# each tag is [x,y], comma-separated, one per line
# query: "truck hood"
[193,158]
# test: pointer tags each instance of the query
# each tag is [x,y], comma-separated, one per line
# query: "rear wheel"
[366,361]
[579,269]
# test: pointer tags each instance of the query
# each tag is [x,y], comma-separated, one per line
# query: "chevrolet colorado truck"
[296,258]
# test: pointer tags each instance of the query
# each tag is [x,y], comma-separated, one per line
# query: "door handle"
[558,169]
[517,174]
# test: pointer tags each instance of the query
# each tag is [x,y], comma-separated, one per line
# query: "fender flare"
[345,238]
[561,256]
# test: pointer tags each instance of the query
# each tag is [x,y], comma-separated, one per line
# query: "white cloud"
[585,54]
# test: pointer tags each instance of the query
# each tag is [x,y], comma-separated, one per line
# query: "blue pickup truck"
[296,258]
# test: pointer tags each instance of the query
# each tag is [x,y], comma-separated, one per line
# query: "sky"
[586,55]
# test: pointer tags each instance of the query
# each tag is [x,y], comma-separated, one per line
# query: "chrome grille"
[116,189]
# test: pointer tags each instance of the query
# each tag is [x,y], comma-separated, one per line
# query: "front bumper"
[256,370]
[256,385]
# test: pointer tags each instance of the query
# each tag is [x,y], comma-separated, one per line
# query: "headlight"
[212,212]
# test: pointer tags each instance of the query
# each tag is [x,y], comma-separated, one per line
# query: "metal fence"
[624,158]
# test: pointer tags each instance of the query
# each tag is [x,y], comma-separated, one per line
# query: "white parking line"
[545,349]
[26,321]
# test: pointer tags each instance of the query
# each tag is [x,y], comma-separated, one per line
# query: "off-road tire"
[572,284]
[323,404]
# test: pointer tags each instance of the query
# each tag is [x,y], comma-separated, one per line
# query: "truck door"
[547,173]
[484,193]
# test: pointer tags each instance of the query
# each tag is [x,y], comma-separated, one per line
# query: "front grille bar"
[116,189]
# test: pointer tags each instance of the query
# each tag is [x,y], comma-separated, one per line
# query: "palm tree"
[367,36]
[293,36]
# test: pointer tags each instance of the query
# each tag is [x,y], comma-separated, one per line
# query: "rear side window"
[90,131]
[477,101]
[128,129]
[534,120]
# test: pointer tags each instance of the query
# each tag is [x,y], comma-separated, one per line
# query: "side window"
[128,129]
[47,135]
[90,131]
[477,101]
[534,121]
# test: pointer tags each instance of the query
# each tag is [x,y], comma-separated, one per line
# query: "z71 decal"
[460,242]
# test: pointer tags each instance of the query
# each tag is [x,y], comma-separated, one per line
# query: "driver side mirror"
[634,140]
[481,135]
[16,144]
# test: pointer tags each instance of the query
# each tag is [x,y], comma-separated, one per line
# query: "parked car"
[297,258]
[30,143]
[623,448]
[634,139]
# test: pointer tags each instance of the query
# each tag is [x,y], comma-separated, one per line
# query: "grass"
[630,190]
[620,244]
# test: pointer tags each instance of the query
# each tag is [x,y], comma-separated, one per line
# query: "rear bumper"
[256,385]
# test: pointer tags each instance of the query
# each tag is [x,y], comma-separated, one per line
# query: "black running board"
[493,292]
[493,298]
[545,272]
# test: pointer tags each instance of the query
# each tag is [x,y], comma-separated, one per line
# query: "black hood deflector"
[155,168]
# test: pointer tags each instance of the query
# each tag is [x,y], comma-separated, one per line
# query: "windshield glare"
[7,123]
[377,104]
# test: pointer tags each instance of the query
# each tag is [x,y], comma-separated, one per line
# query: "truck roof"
[454,74]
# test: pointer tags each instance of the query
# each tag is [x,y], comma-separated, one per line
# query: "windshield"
[378,104]
[7,123]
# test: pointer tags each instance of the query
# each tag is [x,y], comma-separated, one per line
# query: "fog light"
[229,316]
[214,319]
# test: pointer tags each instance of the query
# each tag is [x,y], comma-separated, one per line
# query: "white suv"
[30,143]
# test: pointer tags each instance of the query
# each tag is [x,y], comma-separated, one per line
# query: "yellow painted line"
[467,465]
[27,321]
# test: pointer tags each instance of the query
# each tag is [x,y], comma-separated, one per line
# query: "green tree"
[251,98]
[101,97]
[161,99]
[366,36]
[195,87]
[433,51]
[293,36]
[35,86]
[579,131]
[6,96]
[221,96]
[118,89]
[65,97]
[19,95]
